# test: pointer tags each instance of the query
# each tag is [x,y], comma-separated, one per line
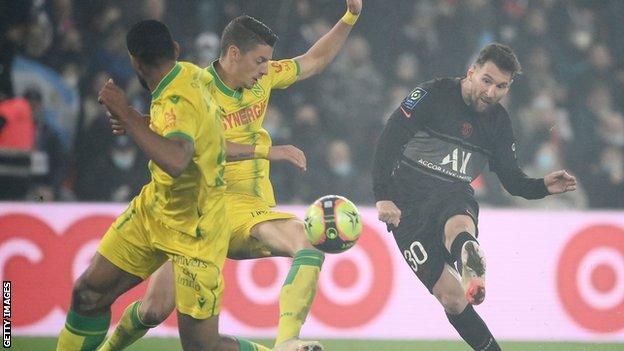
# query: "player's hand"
[354,6]
[114,99]
[288,153]
[560,182]
[388,212]
[116,126]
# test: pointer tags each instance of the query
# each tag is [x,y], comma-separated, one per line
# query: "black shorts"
[420,234]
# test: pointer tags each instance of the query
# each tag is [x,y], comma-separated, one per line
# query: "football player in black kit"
[437,141]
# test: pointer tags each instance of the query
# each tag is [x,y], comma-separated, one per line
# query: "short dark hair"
[502,56]
[151,42]
[245,32]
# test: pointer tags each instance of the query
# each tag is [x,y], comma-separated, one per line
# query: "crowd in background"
[567,107]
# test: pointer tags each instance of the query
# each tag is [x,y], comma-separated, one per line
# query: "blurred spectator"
[597,67]
[154,9]
[594,111]
[548,159]
[91,109]
[16,145]
[15,20]
[309,135]
[60,100]
[351,94]
[605,185]
[419,33]
[407,70]
[49,147]
[206,49]
[118,173]
[17,129]
[542,121]
[341,176]
[112,56]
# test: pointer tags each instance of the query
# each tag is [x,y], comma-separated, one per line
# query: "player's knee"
[298,240]
[86,300]
[452,303]
[155,314]
[458,224]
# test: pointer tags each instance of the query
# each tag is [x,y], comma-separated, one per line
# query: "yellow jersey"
[183,107]
[243,112]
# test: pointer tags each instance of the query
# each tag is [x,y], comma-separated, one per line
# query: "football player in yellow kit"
[244,76]
[169,220]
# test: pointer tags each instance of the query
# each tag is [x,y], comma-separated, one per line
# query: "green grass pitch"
[171,344]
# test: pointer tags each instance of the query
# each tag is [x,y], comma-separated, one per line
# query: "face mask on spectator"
[612,168]
[343,169]
[616,140]
[545,161]
[71,79]
[124,160]
[581,39]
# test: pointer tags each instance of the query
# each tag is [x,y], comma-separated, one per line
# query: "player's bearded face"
[254,64]
[489,85]
[136,67]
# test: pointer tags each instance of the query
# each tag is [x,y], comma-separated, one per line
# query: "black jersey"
[435,142]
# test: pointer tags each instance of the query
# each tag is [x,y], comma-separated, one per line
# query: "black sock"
[472,329]
[458,244]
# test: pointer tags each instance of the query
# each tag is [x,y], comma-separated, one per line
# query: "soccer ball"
[332,224]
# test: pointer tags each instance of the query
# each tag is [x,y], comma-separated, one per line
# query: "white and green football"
[333,224]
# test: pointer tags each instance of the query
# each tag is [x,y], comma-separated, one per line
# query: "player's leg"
[423,250]
[287,237]
[125,257]
[93,294]
[198,280]
[198,287]
[449,291]
[460,241]
[156,305]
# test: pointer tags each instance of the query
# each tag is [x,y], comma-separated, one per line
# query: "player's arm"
[172,155]
[289,153]
[116,125]
[395,135]
[327,47]
[515,181]
[401,126]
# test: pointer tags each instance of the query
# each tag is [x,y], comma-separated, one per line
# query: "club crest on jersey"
[414,98]
[170,119]
[257,90]
[465,129]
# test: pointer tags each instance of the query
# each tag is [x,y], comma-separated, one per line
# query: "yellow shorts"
[244,212]
[138,243]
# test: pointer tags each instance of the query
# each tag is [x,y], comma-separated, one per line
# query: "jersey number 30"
[413,258]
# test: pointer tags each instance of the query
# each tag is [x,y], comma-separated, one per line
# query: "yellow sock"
[297,293]
[246,345]
[130,329]
[82,333]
